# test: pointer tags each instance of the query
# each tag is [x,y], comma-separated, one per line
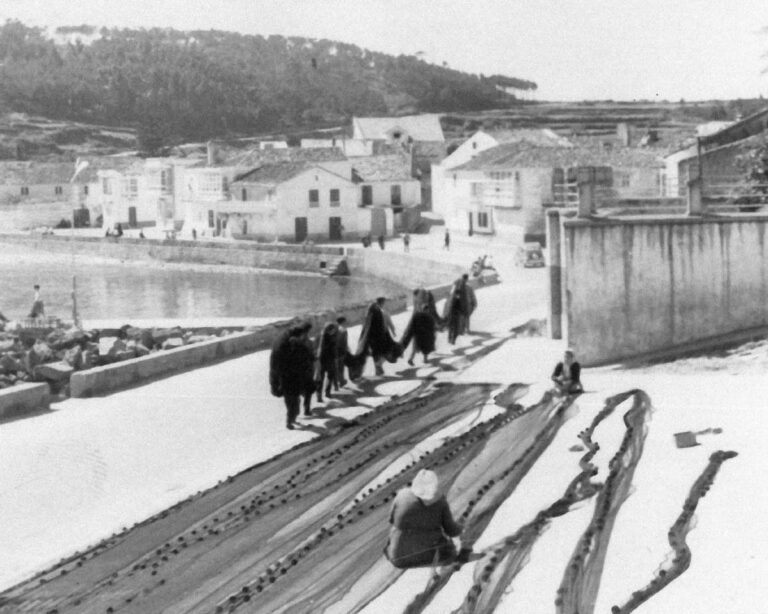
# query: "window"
[367,195]
[165,180]
[25,191]
[211,219]
[624,179]
[335,198]
[475,189]
[314,198]
[131,187]
[224,184]
[85,190]
[106,186]
[58,190]
[474,145]
[482,220]
[210,183]
[244,194]
[395,197]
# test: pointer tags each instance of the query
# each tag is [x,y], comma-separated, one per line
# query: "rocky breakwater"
[53,354]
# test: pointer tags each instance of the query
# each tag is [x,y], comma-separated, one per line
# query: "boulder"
[9,364]
[173,342]
[74,357]
[54,371]
[117,346]
[160,335]
[199,338]
[146,339]
[142,350]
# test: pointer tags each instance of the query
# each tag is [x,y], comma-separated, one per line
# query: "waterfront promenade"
[92,466]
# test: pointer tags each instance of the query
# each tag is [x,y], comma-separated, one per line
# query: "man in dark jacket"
[567,374]
[290,374]
[326,356]
[459,305]
[342,349]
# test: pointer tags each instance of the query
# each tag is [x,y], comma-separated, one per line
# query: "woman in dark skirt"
[423,325]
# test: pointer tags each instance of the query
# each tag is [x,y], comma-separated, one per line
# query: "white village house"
[503,190]
[298,201]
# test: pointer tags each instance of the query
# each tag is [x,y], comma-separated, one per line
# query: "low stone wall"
[23,399]
[240,253]
[107,378]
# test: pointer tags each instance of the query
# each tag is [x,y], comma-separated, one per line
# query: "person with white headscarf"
[422,525]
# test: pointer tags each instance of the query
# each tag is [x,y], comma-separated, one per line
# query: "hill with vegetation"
[173,85]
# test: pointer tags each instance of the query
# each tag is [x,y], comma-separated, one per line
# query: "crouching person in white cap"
[422,525]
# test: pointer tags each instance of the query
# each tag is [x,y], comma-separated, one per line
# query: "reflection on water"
[146,290]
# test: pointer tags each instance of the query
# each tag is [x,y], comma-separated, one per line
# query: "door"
[334,228]
[132,216]
[378,223]
[471,228]
[301,229]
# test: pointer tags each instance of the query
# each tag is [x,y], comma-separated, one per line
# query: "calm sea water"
[147,290]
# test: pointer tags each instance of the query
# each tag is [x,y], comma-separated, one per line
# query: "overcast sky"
[574,49]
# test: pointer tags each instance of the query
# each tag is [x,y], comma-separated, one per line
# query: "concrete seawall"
[401,268]
[107,378]
[23,399]
[647,285]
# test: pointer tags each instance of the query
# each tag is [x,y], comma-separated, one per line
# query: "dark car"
[531,255]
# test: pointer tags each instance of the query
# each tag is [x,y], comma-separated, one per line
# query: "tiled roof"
[536,136]
[106,163]
[279,172]
[36,173]
[525,155]
[395,167]
[257,157]
[418,127]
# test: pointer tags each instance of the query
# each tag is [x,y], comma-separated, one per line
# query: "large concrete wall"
[640,286]
[23,399]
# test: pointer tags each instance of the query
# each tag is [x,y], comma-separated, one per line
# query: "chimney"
[622,132]
[212,153]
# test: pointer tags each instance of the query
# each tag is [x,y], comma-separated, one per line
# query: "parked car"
[531,255]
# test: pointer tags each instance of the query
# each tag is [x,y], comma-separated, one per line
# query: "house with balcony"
[481,141]
[503,190]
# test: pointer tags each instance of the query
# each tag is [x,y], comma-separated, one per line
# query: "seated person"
[422,525]
[567,374]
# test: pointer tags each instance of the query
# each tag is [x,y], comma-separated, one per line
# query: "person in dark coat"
[376,337]
[422,525]
[567,374]
[381,241]
[459,305]
[422,327]
[291,362]
[326,355]
[342,348]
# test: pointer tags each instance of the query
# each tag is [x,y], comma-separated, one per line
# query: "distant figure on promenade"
[342,349]
[376,337]
[194,234]
[459,305]
[447,240]
[381,241]
[423,325]
[406,242]
[290,370]
[38,306]
[141,234]
[326,357]
[567,374]
[108,233]
[119,230]
[367,240]
[422,525]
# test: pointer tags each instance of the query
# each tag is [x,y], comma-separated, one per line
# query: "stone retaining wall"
[240,253]
[23,399]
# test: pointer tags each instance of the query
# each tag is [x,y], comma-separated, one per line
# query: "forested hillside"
[190,85]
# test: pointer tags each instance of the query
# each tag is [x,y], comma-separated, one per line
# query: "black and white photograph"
[383,306]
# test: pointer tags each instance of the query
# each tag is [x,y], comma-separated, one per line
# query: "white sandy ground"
[92,466]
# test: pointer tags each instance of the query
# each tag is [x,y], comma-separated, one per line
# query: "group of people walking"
[301,366]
